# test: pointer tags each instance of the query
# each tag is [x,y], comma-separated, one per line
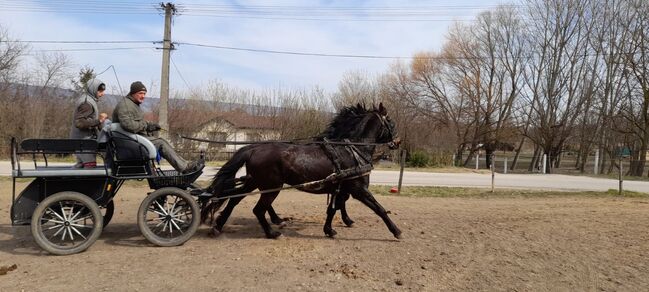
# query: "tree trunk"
[518,153]
[458,155]
[468,158]
[535,159]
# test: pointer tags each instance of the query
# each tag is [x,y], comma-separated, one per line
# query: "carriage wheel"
[108,212]
[66,223]
[168,217]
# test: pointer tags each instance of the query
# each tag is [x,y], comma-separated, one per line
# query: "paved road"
[519,181]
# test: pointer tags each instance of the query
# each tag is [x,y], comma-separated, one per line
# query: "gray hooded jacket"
[85,120]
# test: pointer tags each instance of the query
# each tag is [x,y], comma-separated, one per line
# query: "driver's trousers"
[167,152]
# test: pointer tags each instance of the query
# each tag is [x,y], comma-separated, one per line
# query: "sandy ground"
[521,244]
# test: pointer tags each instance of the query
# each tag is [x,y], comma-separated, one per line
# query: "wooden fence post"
[402,162]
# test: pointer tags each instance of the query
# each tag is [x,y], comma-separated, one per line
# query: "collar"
[129,97]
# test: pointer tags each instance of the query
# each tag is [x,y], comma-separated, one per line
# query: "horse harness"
[363,164]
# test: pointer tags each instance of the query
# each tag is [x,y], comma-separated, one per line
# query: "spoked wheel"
[168,217]
[108,212]
[66,223]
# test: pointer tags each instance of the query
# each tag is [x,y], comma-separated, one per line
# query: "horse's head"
[388,130]
[359,124]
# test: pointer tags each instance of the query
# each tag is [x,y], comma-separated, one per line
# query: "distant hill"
[109,101]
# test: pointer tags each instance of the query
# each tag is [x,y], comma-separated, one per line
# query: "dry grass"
[449,192]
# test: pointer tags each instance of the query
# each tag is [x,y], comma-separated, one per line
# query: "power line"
[180,74]
[327,19]
[102,72]
[270,12]
[528,55]
[80,42]
[290,52]
[116,78]
[121,89]
[269,51]
[94,49]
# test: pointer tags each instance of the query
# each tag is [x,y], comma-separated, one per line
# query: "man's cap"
[137,86]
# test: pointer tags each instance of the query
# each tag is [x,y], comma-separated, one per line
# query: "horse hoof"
[330,233]
[283,221]
[349,223]
[273,234]
[398,235]
[214,233]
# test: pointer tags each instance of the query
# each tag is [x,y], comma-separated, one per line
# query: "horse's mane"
[345,121]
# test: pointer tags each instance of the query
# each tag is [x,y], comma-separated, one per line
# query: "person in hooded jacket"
[86,121]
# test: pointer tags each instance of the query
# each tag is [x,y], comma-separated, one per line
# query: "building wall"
[219,129]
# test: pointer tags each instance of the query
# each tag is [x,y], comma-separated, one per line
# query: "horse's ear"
[382,109]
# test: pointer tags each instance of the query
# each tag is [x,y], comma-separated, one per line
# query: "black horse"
[270,165]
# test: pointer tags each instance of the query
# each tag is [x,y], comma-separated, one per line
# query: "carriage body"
[90,192]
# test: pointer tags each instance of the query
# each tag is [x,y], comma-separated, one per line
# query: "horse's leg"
[274,218]
[342,198]
[331,211]
[225,214]
[232,202]
[365,196]
[263,205]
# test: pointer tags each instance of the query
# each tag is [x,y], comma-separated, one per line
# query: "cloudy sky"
[369,28]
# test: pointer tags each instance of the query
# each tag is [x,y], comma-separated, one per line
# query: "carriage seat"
[127,154]
[115,130]
[59,145]
[55,146]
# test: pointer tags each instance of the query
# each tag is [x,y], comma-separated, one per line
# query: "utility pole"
[167,46]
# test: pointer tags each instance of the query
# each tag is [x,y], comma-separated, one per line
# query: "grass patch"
[616,177]
[448,169]
[452,192]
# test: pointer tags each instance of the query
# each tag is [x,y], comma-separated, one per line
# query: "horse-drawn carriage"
[68,207]
[64,205]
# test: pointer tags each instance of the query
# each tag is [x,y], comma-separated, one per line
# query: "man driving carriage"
[131,117]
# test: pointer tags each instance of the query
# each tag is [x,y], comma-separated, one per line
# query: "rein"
[296,141]
[331,177]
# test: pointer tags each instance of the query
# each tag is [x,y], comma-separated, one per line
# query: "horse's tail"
[224,182]
[209,208]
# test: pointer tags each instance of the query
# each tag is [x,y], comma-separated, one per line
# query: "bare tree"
[636,58]
[10,54]
[52,69]
[356,87]
[556,73]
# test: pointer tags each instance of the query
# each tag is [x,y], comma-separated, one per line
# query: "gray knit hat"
[137,86]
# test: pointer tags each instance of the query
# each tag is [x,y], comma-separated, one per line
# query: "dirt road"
[545,243]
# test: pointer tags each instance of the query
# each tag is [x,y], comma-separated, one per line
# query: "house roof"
[243,120]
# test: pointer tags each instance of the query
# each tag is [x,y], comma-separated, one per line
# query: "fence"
[568,164]
[502,164]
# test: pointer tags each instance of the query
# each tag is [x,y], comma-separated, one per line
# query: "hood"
[93,85]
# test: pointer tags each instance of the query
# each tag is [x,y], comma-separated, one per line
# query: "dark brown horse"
[271,165]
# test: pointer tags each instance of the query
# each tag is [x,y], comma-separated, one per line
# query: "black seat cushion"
[126,156]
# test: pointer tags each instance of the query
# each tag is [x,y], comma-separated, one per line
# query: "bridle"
[386,129]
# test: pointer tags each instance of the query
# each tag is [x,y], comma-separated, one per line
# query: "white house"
[235,127]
